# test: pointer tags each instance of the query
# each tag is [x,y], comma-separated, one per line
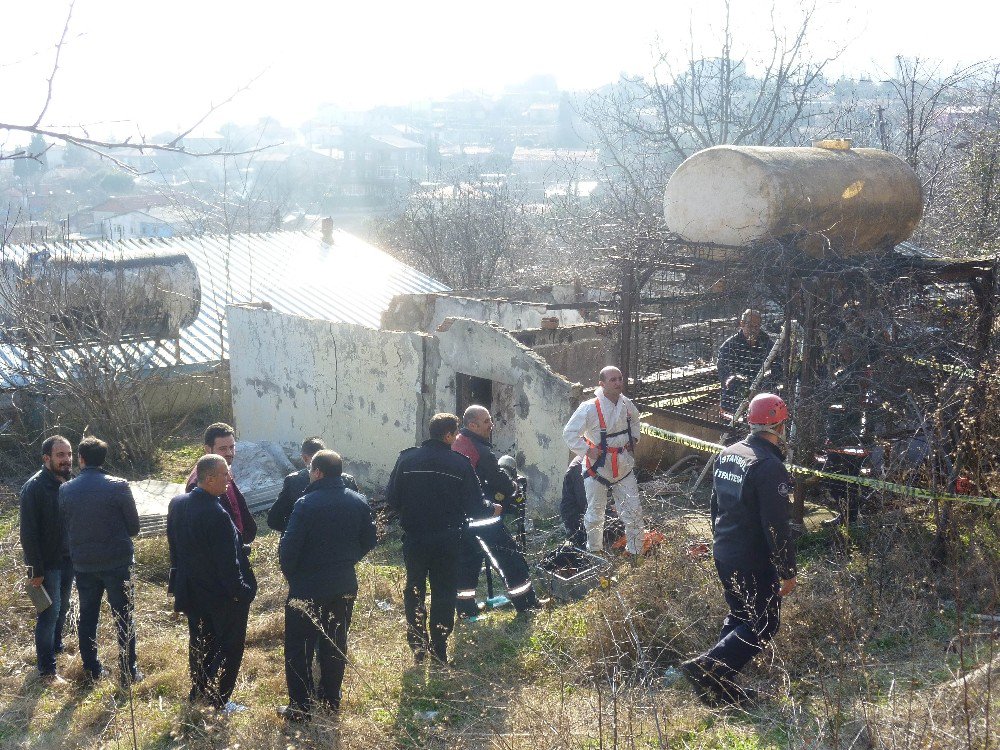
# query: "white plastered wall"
[370,393]
[357,387]
[543,400]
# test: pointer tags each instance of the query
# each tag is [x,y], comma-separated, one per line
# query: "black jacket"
[249,532]
[497,485]
[100,518]
[574,497]
[750,508]
[292,489]
[206,560]
[737,357]
[434,490]
[43,539]
[331,528]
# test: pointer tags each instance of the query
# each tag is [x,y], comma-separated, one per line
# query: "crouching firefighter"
[489,538]
[754,550]
[604,430]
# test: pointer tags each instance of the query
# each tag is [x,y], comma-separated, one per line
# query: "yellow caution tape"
[897,489]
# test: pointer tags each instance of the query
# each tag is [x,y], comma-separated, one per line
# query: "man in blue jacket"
[331,528]
[294,486]
[100,518]
[45,552]
[754,550]
[434,490]
[209,583]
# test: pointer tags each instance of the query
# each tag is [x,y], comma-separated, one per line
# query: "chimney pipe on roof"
[327,230]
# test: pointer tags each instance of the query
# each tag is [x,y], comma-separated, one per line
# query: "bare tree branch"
[55,65]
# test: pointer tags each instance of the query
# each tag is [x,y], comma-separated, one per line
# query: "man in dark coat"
[740,359]
[573,506]
[220,440]
[46,554]
[434,490]
[489,538]
[209,583]
[331,528]
[754,550]
[100,518]
[295,485]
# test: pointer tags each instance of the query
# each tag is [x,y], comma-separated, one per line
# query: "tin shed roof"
[348,281]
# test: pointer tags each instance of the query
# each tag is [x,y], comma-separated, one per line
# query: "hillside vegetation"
[872,653]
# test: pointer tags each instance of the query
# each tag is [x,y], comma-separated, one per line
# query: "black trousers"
[753,619]
[436,562]
[216,639]
[316,627]
[495,543]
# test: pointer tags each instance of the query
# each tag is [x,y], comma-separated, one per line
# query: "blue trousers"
[58,583]
[91,587]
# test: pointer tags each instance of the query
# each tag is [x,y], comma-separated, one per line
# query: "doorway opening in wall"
[498,398]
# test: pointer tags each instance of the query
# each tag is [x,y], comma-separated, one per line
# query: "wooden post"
[805,409]
[628,293]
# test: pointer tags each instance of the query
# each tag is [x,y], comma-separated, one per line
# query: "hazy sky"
[163,63]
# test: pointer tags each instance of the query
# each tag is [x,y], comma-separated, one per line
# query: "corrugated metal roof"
[350,281]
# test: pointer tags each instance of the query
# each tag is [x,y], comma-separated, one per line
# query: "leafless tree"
[923,94]
[111,150]
[469,235]
[964,217]
[646,125]
[89,344]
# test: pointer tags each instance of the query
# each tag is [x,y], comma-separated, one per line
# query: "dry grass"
[868,647]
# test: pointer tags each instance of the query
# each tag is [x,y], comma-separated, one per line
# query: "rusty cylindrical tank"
[837,198]
[145,294]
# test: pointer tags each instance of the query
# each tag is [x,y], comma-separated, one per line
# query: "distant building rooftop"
[397,141]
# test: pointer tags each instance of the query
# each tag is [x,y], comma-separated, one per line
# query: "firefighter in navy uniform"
[434,490]
[754,550]
[489,537]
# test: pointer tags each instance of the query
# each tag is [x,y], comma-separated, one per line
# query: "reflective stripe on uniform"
[518,590]
[480,522]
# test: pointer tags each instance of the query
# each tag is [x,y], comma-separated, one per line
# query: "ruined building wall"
[370,392]
[576,352]
[360,389]
[543,400]
[425,312]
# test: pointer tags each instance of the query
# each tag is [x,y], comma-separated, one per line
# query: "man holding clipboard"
[46,554]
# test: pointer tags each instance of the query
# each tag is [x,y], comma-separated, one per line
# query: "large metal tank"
[833,198]
[86,294]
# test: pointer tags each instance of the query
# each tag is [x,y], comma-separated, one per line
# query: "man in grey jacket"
[100,518]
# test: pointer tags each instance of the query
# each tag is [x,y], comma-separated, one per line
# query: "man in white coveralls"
[604,431]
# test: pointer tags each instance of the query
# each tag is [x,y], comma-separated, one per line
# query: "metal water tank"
[86,293]
[829,197]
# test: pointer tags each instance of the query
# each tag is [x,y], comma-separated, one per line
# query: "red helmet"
[767,409]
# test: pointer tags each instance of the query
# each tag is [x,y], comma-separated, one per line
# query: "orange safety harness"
[606,450]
